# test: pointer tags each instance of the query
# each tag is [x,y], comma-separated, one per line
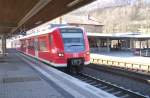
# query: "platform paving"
[18,80]
[124,56]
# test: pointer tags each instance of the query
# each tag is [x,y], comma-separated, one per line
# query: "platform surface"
[22,76]
[18,80]
[121,56]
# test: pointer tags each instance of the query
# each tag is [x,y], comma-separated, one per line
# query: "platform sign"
[29,32]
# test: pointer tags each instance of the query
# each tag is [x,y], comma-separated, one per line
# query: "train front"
[76,48]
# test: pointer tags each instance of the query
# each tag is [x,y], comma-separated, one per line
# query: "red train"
[65,46]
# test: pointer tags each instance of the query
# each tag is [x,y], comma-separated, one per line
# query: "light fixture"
[38,22]
[73,3]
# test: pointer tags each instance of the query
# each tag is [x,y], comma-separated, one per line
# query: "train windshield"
[73,39]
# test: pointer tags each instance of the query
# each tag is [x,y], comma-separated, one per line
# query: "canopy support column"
[3,45]
[147,45]
[108,45]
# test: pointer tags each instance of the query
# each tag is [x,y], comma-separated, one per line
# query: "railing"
[123,64]
[145,53]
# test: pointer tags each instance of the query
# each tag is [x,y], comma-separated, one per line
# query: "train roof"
[47,30]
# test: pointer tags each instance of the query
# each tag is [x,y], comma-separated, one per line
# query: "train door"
[26,42]
[43,47]
[51,46]
[31,50]
[36,46]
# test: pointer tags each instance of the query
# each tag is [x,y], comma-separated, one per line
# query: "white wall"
[8,43]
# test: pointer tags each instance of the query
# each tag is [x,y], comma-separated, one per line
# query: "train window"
[42,46]
[73,39]
[31,44]
[23,45]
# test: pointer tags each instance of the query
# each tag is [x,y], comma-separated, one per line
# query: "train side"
[60,47]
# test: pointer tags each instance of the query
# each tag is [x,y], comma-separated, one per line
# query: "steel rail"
[108,87]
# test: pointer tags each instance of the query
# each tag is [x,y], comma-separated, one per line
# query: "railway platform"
[25,77]
[123,59]
[18,80]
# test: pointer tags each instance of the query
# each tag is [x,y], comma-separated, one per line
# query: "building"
[118,41]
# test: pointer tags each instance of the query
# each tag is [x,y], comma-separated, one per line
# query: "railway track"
[122,72]
[108,87]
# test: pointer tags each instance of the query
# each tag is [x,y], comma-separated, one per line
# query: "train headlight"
[60,54]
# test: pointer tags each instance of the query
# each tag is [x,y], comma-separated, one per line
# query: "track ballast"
[108,87]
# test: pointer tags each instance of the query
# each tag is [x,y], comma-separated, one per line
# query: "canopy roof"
[18,15]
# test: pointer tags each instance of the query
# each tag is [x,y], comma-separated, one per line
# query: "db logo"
[75,55]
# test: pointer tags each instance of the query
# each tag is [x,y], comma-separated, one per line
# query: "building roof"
[82,20]
[119,35]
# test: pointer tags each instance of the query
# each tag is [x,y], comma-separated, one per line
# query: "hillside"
[119,15]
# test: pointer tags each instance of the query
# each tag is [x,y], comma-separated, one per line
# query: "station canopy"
[18,15]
